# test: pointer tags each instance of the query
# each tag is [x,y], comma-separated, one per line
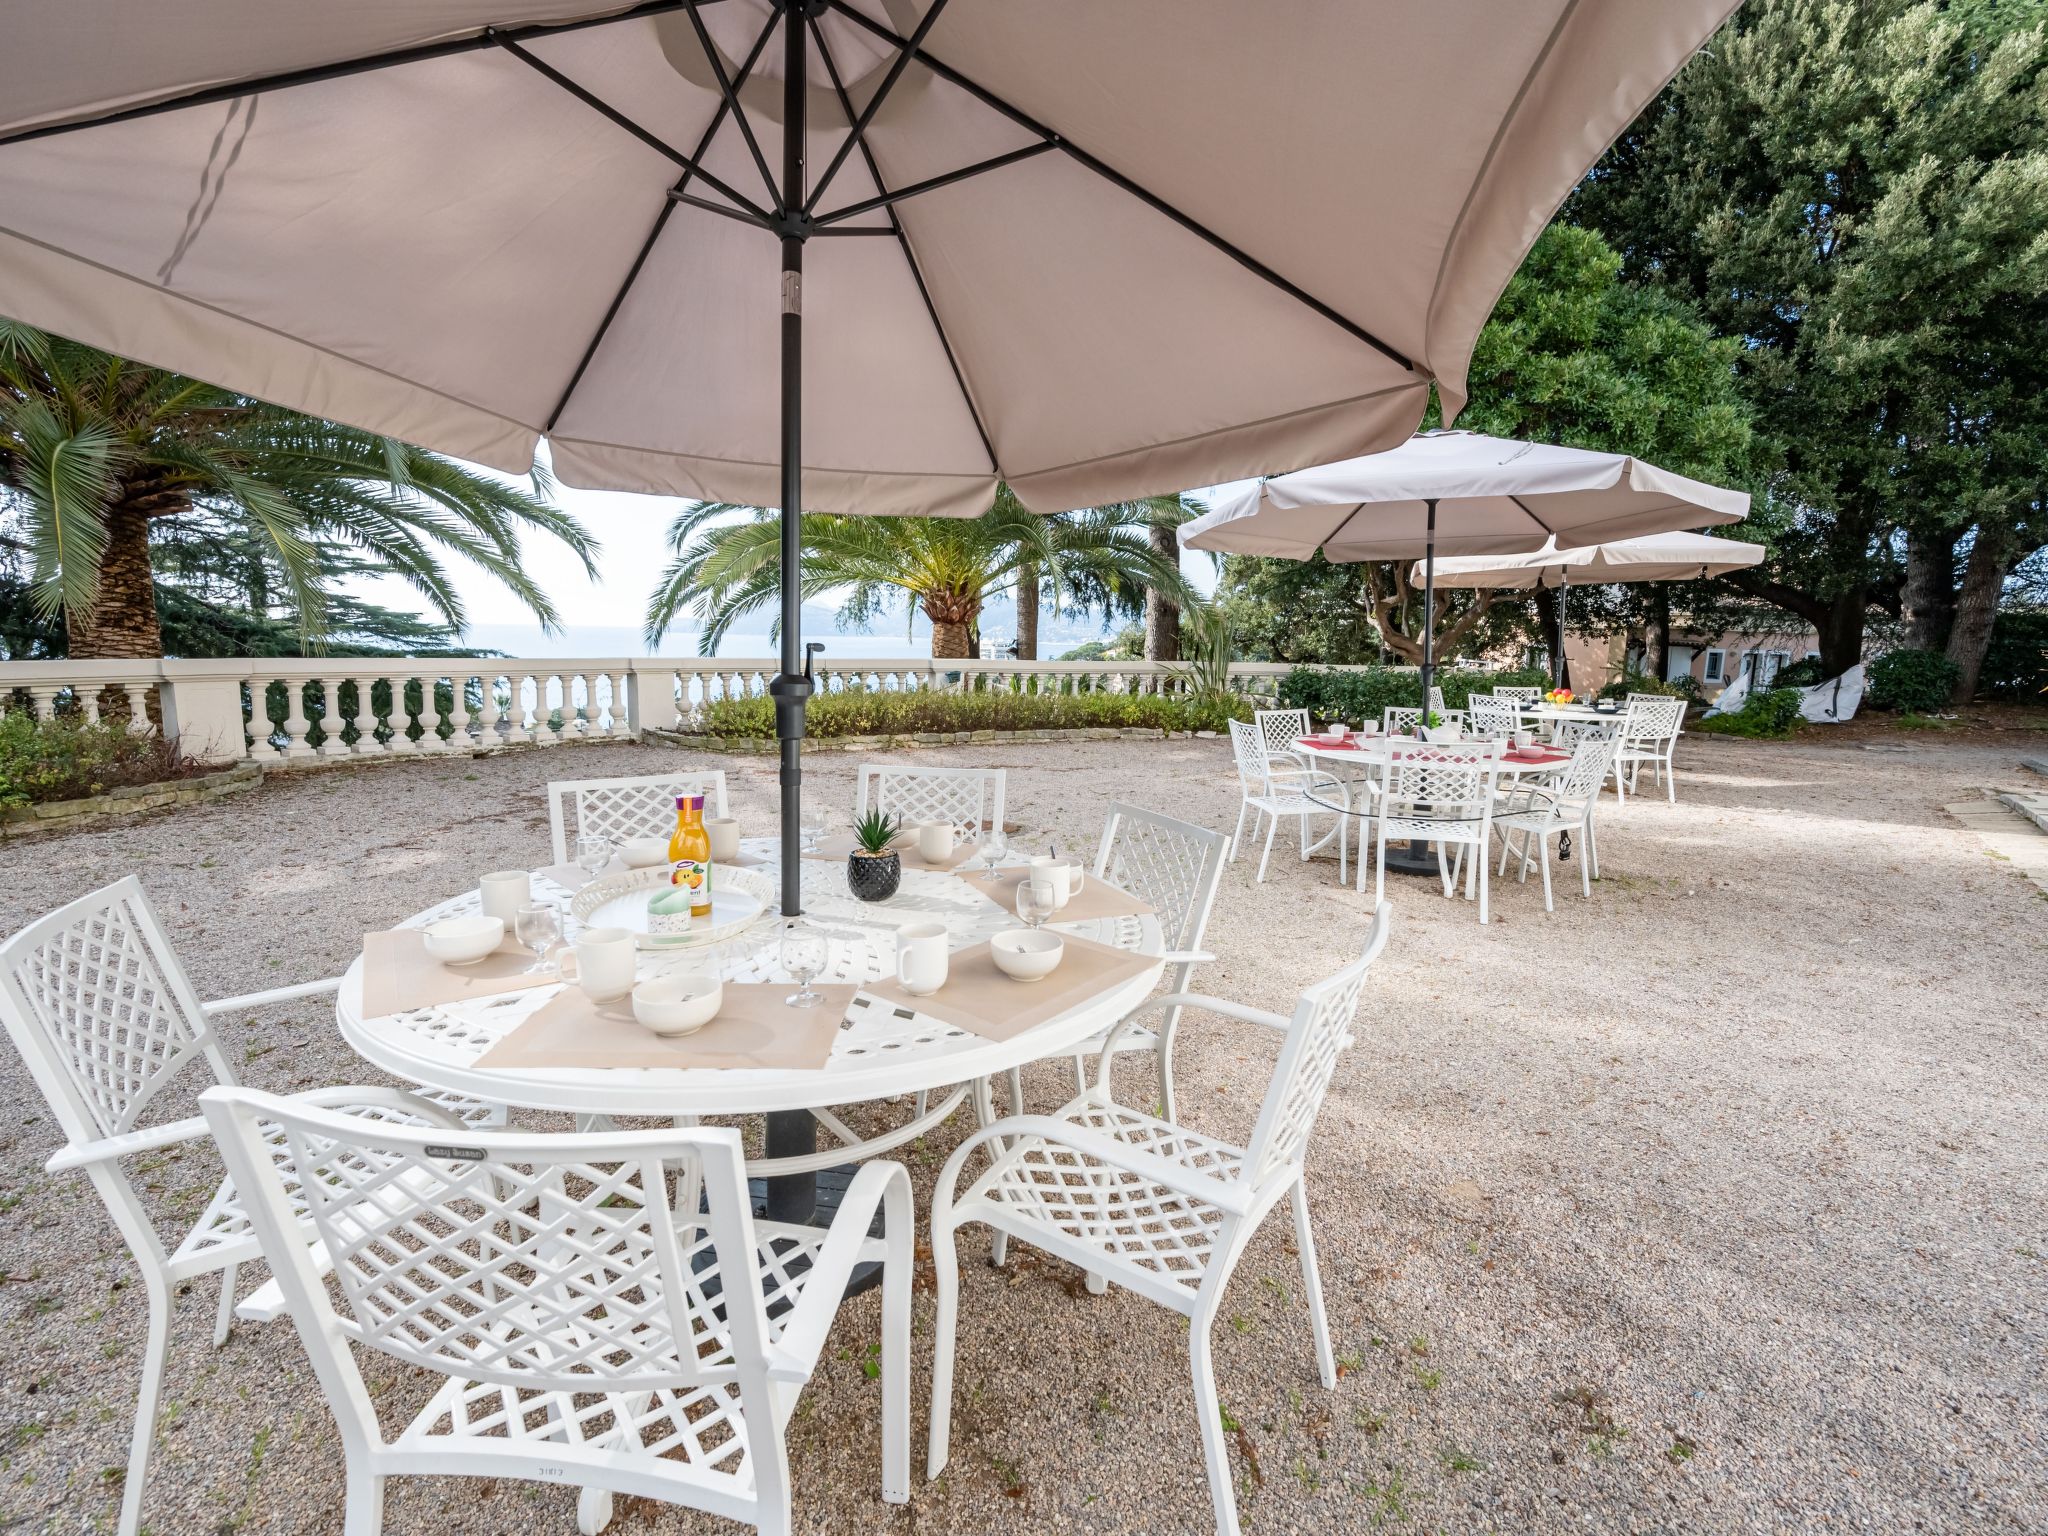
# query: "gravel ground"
[1712,1204]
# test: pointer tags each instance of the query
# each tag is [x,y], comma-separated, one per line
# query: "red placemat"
[1348,744]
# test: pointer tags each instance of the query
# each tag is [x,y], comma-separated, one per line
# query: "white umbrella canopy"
[1490,495]
[1660,557]
[386,214]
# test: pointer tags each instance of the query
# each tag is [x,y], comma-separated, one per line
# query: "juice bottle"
[689,854]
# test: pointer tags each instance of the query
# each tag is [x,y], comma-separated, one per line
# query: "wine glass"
[538,925]
[805,951]
[1034,901]
[993,846]
[592,854]
[812,825]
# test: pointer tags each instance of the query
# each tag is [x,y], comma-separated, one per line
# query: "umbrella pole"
[1428,605]
[1564,589]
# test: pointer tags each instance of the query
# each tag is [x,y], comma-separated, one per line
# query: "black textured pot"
[873,876]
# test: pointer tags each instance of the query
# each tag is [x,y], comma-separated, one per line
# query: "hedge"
[2016,661]
[67,759]
[1913,682]
[1772,715]
[880,712]
[1367,694]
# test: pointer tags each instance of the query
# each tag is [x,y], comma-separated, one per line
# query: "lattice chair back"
[970,798]
[1653,717]
[1587,771]
[1455,773]
[1174,866]
[1316,1037]
[1248,747]
[1280,729]
[97,1004]
[1400,720]
[1436,698]
[623,809]
[1492,717]
[1519,695]
[528,1262]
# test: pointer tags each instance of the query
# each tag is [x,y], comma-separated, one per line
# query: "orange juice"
[689,854]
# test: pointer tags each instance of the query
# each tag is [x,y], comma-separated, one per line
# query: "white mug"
[1339,731]
[935,841]
[921,957]
[602,962]
[724,832]
[1524,740]
[1058,874]
[504,892]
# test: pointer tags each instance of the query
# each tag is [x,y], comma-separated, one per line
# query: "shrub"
[880,712]
[1641,682]
[1771,715]
[1913,682]
[1804,673]
[67,759]
[1366,694]
[2016,661]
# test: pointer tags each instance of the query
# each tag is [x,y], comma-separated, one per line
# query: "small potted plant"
[873,870]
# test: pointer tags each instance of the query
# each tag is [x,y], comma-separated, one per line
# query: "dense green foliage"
[1860,193]
[1642,682]
[1367,694]
[1913,682]
[2016,663]
[876,712]
[66,759]
[1771,714]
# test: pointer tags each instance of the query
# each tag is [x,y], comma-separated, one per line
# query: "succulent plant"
[874,832]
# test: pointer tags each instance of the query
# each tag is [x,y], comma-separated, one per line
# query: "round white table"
[882,1051]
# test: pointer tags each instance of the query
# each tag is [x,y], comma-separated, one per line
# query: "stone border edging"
[130,800]
[766,746]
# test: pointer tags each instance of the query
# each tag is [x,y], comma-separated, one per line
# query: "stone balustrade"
[289,712]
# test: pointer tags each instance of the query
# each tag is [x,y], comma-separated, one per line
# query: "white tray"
[740,898]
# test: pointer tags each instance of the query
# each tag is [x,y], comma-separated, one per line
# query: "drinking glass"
[805,951]
[539,927]
[993,846]
[592,854]
[1034,901]
[812,825]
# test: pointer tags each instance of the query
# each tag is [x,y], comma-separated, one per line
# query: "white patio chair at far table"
[1522,696]
[1406,720]
[623,809]
[590,1331]
[97,1004]
[1492,716]
[1175,868]
[1443,794]
[1160,1209]
[1565,804]
[970,798]
[1277,789]
[1650,729]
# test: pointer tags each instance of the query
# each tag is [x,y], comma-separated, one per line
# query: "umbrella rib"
[1118,179]
[906,49]
[933,183]
[315,74]
[668,207]
[903,243]
[652,140]
[731,92]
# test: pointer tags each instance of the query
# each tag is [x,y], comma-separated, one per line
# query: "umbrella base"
[1412,858]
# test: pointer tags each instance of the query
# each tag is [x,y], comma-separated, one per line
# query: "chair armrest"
[274,995]
[1197,1000]
[82,1154]
[882,1183]
[1230,1196]
[1186,956]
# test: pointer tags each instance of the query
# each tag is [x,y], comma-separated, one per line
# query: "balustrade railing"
[288,712]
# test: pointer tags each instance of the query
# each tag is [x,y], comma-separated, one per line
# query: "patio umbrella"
[1457,493]
[1660,557]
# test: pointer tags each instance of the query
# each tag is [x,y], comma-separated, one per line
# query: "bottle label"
[693,875]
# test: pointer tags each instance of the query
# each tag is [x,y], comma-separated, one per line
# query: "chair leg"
[593,1511]
[897,1278]
[158,1289]
[1272,826]
[923,1098]
[1163,1054]
[364,1512]
[1483,888]
[1668,772]
[224,1319]
[1209,1410]
[1237,837]
[945,1323]
[1586,858]
[1080,1073]
[1312,1286]
[1543,853]
[1016,1090]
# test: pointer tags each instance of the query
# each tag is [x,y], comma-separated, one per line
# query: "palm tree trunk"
[1162,618]
[950,640]
[1027,612]
[121,623]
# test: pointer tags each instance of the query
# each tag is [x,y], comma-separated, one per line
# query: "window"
[1716,664]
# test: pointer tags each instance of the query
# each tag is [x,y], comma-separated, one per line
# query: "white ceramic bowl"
[643,852]
[463,940]
[680,1004]
[1026,954]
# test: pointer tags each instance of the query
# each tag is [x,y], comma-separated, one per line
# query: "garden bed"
[129,800]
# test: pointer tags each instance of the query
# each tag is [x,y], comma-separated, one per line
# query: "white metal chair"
[1492,717]
[1281,730]
[623,809]
[1563,805]
[94,999]
[592,1328]
[1522,696]
[970,798]
[1650,729]
[1282,789]
[1175,868]
[1405,720]
[1443,795]
[1160,1209]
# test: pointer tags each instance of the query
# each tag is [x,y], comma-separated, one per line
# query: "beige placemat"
[836,849]
[570,877]
[983,1001]
[399,974]
[754,1028]
[1096,898]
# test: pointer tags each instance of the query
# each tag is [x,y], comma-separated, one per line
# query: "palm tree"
[96,451]
[1100,557]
